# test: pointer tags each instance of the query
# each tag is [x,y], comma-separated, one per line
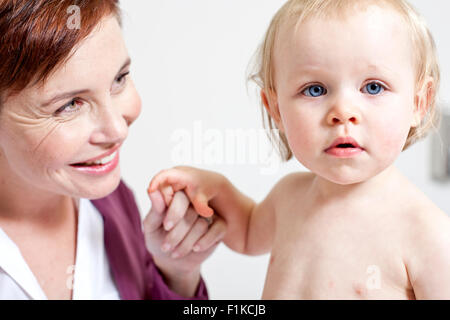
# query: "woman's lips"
[98,169]
[104,155]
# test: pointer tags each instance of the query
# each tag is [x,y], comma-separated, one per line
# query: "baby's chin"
[343,180]
[344,176]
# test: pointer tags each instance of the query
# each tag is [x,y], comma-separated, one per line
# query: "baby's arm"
[429,263]
[250,226]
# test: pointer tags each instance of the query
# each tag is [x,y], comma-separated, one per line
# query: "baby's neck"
[325,190]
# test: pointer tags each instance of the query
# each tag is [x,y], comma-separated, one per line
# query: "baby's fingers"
[171,177]
[200,203]
[180,180]
[215,234]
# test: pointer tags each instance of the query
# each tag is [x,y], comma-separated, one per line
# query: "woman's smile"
[99,167]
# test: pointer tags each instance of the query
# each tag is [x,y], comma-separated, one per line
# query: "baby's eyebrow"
[381,70]
[375,68]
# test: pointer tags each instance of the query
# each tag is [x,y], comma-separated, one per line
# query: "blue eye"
[314,91]
[374,88]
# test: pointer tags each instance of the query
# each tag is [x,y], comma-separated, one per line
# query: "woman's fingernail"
[168,225]
[175,255]
[165,247]
[196,248]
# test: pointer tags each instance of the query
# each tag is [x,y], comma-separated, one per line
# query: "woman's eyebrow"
[66,95]
[126,64]
[63,96]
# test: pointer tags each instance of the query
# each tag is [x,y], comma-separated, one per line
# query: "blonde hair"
[297,11]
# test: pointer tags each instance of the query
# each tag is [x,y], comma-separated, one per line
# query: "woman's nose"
[112,126]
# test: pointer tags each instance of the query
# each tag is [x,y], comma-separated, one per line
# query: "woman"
[66,102]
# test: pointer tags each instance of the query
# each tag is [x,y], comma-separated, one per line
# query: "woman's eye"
[72,106]
[122,78]
[374,88]
[314,91]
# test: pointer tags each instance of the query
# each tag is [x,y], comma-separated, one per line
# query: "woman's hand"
[180,247]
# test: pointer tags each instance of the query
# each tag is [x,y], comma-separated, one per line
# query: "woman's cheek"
[62,146]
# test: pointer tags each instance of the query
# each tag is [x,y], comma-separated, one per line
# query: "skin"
[39,141]
[338,232]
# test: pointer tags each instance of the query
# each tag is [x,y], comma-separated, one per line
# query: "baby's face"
[353,77]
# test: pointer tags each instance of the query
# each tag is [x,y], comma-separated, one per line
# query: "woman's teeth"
[101,161]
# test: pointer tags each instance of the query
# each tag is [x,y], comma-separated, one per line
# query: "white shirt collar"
[91,277]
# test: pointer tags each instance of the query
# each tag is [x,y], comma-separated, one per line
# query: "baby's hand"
[184,245]
[199,185]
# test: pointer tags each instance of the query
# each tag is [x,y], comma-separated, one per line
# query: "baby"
[349,84]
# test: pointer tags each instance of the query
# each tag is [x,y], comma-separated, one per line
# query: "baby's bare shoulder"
[293,183]
[424,218]
[295,179]
[290,190]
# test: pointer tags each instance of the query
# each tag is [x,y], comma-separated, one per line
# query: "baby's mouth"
[344,143]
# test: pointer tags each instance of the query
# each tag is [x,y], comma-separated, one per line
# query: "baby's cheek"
[391,137]
[301,137]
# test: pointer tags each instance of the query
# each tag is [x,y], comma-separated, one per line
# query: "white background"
[189,65]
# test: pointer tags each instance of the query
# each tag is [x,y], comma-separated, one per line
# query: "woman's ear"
[270,102]
[423,100]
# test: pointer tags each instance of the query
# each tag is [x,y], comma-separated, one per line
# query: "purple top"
[132,267]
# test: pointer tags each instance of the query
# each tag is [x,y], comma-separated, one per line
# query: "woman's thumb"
[157,200]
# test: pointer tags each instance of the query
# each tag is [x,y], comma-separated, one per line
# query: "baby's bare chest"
[336,258]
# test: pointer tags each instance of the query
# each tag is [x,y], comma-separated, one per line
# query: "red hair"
[36,37]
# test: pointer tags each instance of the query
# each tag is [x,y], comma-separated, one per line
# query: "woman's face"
[81,113]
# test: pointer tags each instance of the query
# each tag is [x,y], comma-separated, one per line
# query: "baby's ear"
[270,102]
[423,100]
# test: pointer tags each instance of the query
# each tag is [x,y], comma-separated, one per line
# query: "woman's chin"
[99,188]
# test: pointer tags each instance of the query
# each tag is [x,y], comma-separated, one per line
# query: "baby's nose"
[343,115]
